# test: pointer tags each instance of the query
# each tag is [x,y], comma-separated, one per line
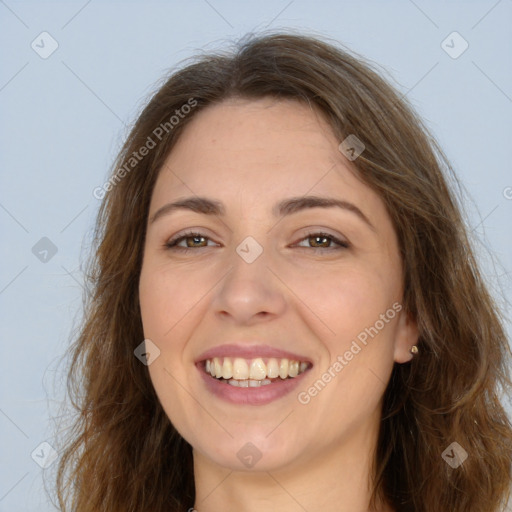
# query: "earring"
[414,350]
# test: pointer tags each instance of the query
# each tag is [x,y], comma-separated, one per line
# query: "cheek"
[358,341]
[166,304]
[346,300]
[167,296]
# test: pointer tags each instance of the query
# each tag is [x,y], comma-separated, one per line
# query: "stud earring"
[414,350]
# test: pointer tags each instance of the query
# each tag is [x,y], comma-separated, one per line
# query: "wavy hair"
[122,454]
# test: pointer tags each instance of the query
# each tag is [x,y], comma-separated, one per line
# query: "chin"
[249,453]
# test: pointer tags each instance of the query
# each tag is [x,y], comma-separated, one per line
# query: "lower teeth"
[247,383]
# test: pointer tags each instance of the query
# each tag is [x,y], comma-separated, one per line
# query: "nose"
[250,292]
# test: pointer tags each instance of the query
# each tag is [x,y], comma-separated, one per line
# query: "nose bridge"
[249,288]
[249,274]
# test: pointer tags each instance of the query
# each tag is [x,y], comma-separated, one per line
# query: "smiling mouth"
[257,372]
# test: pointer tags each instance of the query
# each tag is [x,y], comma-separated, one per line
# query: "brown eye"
[191,239]
[316,241]
[194,240]
[324,241]
[320,241]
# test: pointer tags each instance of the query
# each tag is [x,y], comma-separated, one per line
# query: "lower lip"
[260,395]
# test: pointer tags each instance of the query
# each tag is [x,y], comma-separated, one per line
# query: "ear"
[406,336]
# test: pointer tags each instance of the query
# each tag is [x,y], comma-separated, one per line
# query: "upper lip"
[250,352]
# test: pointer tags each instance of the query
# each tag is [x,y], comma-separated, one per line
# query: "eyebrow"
[289,206]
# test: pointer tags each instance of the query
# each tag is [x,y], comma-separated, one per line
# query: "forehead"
[260,151]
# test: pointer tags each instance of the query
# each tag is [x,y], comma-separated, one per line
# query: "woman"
[287,314]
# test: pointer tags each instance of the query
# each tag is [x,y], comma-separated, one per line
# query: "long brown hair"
[123,454]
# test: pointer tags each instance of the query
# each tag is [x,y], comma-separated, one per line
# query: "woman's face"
[264,284]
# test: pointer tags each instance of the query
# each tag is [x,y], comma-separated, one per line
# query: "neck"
[335,480]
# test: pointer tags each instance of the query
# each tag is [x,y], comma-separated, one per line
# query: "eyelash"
[172,244]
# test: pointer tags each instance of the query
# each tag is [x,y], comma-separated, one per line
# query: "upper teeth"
[254,369]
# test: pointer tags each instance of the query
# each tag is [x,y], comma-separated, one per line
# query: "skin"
[310,299]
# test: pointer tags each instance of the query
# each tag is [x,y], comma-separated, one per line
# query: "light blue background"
[64,118]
